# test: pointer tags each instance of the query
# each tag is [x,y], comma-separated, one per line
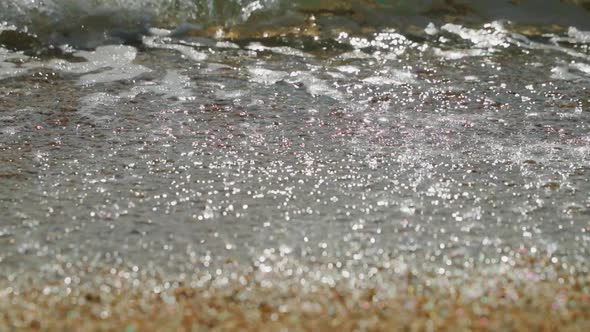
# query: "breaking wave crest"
[88,23]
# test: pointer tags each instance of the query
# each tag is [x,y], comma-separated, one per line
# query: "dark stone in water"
[18,41]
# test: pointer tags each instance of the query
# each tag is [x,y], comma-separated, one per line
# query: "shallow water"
[442,145]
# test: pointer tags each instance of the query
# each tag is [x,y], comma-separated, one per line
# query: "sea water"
[180,135]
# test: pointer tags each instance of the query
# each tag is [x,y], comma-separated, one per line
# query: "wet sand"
[530,293]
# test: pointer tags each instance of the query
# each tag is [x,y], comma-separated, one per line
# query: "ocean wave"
[89,23]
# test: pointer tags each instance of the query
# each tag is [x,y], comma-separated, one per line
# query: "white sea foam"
[266,76]
[562,72]
[188,52]
[583,67]
[431,29]
[105,64]
[391,77]
[172,86]
[492,36]
[458,54]
[315,86]
[579,35]
[9,69]
[96,106]
[285,50]
[348,69]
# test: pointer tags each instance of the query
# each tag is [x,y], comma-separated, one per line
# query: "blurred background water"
[91,22]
